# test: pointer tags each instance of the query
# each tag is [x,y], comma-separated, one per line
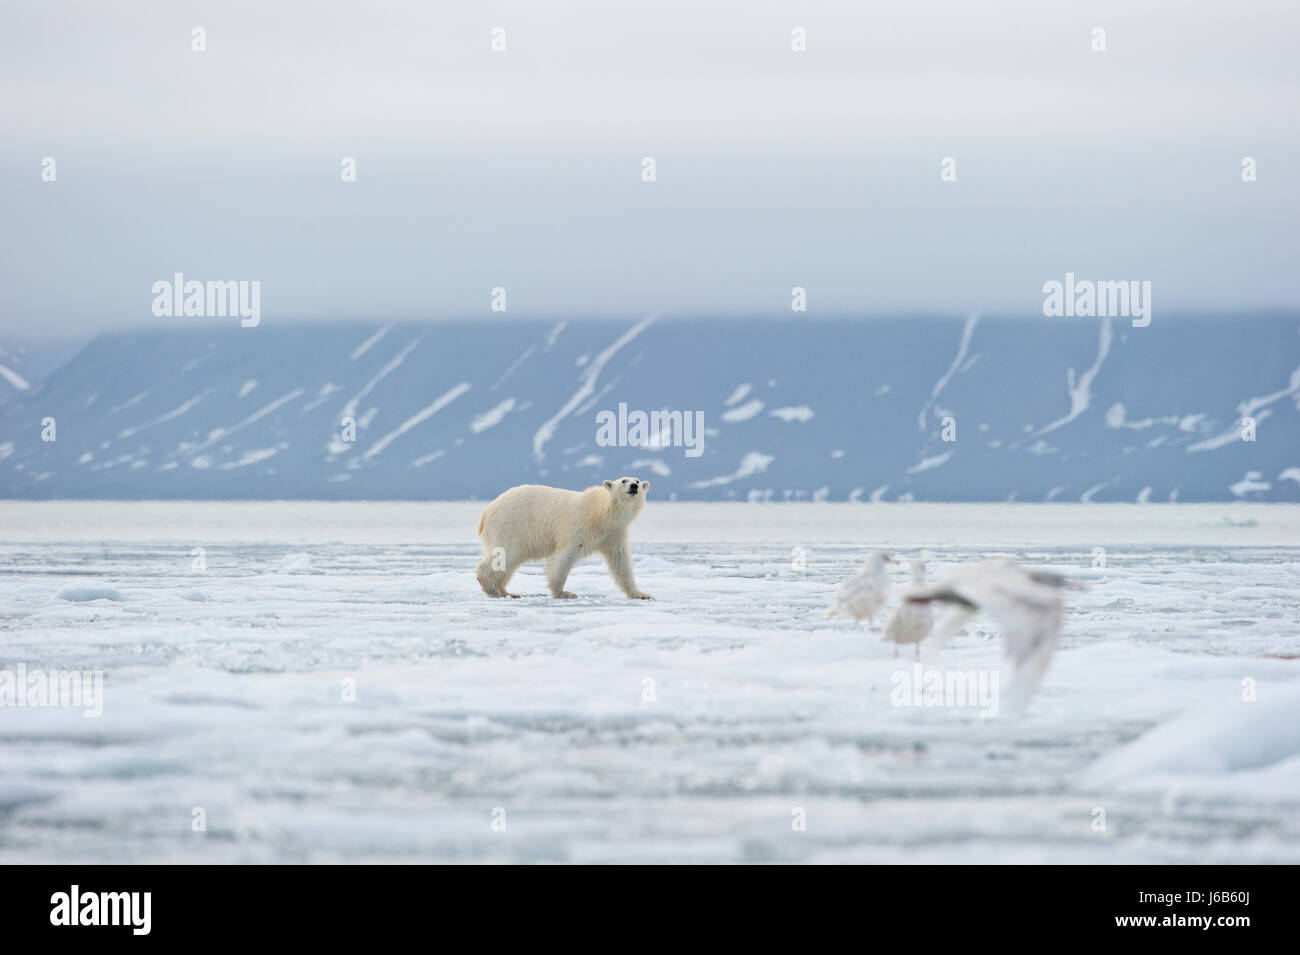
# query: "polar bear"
[532,522]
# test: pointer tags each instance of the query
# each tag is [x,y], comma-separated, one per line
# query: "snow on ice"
[335,687]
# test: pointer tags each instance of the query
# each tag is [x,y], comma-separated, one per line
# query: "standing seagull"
[1027,603]
[864,593]
[911,621]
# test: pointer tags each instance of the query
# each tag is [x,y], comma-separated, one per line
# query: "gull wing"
[1027,605]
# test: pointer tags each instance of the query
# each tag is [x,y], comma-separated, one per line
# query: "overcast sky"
[523,168]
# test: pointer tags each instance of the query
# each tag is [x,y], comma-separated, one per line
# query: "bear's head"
[628,492]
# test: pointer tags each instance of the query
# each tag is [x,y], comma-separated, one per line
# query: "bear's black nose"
[632,489]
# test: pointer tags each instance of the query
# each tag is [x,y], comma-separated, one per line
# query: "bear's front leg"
[618,558]
[557,571]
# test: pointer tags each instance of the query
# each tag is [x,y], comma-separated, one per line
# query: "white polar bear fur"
[534,522]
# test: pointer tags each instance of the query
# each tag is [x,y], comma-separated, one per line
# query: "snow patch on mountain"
[1080,391]
[926,464]
[967,331]
[749,409]
[174,413]
[15,379]
[738,395]
[369,343]
[1252,482]
[590,375]
[492,417]
[424,414]
[755,462]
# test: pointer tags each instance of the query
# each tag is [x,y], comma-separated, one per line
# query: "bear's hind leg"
[505,579]
[489,579]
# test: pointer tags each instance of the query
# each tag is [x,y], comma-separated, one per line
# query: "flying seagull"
[864,593]
[1027,603]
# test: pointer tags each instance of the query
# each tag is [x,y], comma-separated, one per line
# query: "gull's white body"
[910,622]
[1028,604]
[865,592]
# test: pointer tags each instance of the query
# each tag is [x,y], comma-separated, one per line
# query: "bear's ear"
[645,485]
[608,485]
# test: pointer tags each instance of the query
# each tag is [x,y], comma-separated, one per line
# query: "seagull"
[1027,603]
[864,593]
[910,621]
